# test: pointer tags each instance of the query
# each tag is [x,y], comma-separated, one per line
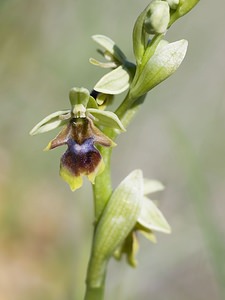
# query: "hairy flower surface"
[81,136]
[81,157]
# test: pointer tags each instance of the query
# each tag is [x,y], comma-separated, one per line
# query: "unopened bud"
[158,17]
[173,3]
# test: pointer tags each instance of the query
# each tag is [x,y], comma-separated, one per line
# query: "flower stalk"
[89,130]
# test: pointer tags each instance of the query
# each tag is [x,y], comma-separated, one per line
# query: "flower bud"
[173,3]
[158,17]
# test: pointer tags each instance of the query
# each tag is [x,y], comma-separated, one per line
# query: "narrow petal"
[60,139]
[99,137]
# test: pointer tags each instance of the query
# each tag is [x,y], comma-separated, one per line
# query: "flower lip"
[81,159]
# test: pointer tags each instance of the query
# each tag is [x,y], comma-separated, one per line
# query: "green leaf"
[152,218]
[106,118]
[160,66]
[152,186]
[114,82]
[110,46]
[51,122]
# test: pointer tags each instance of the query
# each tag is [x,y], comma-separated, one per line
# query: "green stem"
[94,293]
[102,190]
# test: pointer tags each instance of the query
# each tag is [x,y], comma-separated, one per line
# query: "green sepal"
[160,66]
[110,46]
[51,122]
[106,118]
[114,82]
[152,218]
[152,186]
[79,96]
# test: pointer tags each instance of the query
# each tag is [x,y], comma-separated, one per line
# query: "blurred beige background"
[177,137]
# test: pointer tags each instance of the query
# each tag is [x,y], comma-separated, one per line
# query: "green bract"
[161,65]
[139,36]
[181,9]
[185,6]
[118,219]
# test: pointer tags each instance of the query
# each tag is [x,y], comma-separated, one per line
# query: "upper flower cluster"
[80,135]
[156,59]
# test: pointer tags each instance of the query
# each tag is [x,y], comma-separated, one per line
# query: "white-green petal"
[110,46]
[50,122]
[114,82]
[160,66]
[106,118]
[152,186]
[152,218]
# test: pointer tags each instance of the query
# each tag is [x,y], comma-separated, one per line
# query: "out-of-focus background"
[177,137]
